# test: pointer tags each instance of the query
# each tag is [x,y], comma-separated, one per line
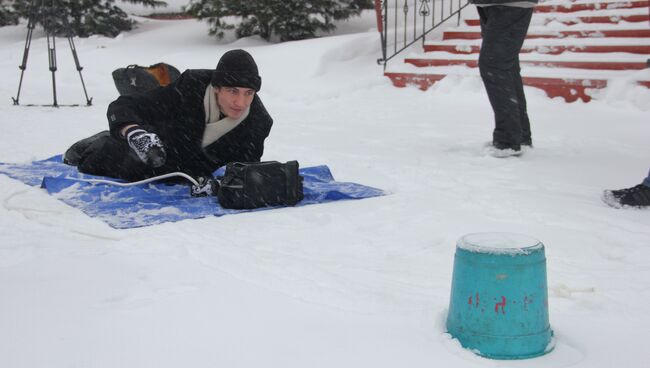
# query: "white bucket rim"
[499,243]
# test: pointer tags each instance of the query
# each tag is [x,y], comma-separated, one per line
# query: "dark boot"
[637,196]
[75,152]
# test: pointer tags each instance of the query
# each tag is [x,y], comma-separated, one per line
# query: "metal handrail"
[393,17]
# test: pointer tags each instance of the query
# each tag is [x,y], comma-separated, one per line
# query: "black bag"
[137,79]
[247,185]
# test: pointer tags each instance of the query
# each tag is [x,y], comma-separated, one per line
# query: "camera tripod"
[47,15]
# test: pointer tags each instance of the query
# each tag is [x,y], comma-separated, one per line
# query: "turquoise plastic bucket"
[499,296]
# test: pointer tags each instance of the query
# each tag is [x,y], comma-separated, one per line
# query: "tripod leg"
[68,28]
[73,49]
[31,24]
[89,101]
[51,56]
[49,26]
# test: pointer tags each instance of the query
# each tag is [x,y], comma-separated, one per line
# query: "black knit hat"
[236,68]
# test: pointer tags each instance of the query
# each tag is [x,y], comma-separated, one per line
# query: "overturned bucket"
[499,297]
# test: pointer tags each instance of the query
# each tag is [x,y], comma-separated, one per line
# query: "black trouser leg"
[526,137]
[108,156]
[74,154]
[504,29]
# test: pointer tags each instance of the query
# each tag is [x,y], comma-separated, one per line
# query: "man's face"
[234,101]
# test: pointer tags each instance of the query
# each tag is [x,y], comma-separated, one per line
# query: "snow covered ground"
[347,284]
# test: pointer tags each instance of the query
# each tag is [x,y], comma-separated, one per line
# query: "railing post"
[415,19]
[405,10]
[424,12]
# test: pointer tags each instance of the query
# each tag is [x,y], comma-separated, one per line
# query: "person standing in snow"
[203,120]
[636,196]
[504,24]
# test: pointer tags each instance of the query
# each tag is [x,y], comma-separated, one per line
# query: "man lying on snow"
[198,123]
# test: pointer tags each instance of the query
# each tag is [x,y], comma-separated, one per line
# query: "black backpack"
[137,79]
[247,185]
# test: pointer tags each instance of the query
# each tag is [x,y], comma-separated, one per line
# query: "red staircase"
[571,48]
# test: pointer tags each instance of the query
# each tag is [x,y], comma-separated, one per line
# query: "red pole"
[380,24]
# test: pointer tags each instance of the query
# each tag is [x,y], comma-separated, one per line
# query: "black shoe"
[637,196]
[73,155]
[503,146]
[505,149]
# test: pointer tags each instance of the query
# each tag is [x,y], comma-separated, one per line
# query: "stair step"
[423,81]
[591,65]
[545,49]
[569,89]
[590,6]
[614,19]
[632,33]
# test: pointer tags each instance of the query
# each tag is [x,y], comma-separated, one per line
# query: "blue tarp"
[155,203]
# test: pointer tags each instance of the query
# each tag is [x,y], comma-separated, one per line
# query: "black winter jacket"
[177,115]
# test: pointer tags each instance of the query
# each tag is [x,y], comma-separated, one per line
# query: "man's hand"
[147,146]
[205,186]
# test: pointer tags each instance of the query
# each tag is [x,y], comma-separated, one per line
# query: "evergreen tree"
[8,15]
[82,17]
[364,4]
[284,20]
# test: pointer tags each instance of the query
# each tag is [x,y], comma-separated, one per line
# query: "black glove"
[147,146]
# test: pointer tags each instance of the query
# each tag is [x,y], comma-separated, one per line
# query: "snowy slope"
[348,284]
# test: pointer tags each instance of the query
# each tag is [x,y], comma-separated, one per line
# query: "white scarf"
[215,128]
